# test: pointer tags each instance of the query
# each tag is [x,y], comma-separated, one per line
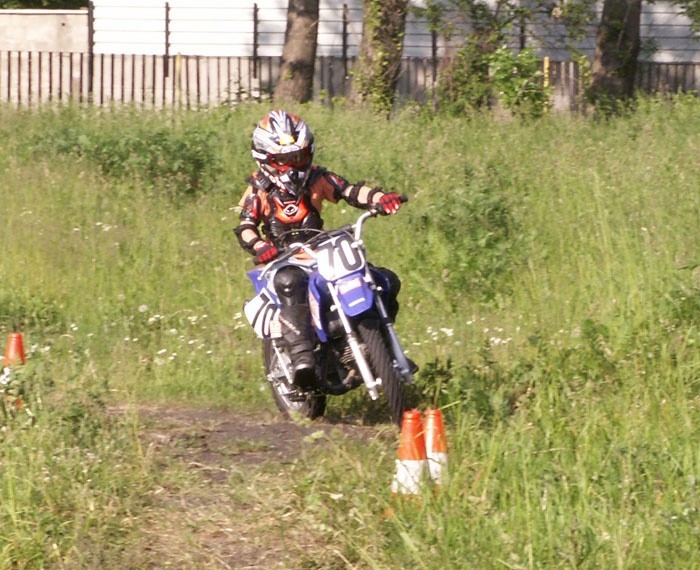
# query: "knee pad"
[291,285]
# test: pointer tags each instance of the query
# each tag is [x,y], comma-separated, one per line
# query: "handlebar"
[355,229]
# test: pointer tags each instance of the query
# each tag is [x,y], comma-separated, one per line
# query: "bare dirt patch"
[225,500]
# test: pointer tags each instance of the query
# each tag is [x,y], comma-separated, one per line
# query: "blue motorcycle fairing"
[354,294]
[267,281]
[316,301]
[254,276]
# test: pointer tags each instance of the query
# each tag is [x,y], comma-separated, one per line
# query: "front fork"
[396,348]
[362,364]
[354,344]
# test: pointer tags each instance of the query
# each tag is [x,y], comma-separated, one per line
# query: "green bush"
[518,82]
[475,79]
[22,311]
[463,85]
[474,236]
[172,160]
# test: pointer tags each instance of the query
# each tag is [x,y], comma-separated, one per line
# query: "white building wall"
[42,30]
[666,35]
[225,28]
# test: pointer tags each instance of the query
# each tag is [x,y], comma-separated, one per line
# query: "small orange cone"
[14,354]
[411,463]
[436,446]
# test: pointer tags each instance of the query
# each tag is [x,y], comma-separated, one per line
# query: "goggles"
[295,158]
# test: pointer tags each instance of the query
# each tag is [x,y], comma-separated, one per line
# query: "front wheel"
[382,365]
[288,398]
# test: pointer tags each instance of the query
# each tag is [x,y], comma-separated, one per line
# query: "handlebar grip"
[375,210]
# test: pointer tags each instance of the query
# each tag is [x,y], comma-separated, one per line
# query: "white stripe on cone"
[409,477]
[437,464]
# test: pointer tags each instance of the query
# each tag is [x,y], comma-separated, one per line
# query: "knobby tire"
[314,404]
[382,365]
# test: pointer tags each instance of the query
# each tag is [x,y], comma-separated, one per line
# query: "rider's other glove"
[389,203]
[265,253]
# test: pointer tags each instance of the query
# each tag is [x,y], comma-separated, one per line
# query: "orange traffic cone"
[436,446]
[14,354]
[411,463]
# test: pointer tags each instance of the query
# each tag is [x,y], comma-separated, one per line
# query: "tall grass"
[550,295]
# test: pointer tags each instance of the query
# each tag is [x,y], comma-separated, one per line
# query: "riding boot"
[298,335]
[392,285]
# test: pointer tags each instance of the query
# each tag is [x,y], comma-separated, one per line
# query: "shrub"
[475,79]
[166,159]
[518,81]
[478,247]
[463,83]
[19,312]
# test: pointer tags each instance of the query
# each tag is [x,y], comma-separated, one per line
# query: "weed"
[541,297]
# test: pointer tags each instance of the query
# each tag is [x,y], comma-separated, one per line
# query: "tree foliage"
[473,75]
[691,8]
[482,70]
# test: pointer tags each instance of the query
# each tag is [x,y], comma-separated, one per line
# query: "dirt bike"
[355,338]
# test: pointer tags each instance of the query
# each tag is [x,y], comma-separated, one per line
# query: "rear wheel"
[288,398]
[383,366]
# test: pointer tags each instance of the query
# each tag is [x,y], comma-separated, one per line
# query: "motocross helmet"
[283,147]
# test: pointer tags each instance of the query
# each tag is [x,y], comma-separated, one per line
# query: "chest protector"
[287,218]
[291,218]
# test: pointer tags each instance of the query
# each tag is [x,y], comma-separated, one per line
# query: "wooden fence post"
[346,23]
[255,41]
[166,65]
[91,49]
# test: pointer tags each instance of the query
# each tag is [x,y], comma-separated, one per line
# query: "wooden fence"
[37,78]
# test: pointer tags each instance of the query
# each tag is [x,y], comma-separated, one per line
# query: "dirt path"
[231,505]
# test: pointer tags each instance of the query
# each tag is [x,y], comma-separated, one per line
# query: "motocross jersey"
[286,218]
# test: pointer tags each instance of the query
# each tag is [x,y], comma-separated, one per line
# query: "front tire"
[383,366]
[288,398]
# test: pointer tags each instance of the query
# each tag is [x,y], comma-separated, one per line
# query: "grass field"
[551,296]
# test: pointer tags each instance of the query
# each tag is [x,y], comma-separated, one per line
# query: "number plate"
[263,315]
[337,258]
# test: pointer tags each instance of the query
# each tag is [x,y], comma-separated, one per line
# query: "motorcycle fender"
[355,295]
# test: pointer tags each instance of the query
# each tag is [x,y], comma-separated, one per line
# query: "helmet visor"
[296,158]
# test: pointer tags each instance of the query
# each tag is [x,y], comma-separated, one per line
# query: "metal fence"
[37,78]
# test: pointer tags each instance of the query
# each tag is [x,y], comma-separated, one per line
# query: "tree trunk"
[616,52]
[296,79]
[376,72]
